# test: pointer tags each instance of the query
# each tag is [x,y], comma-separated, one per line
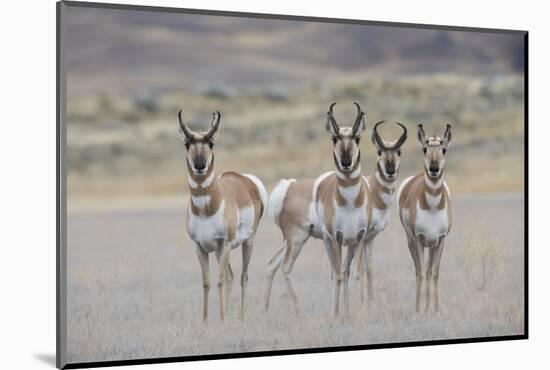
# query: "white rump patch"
[277,198]
[201,201]
[261,188]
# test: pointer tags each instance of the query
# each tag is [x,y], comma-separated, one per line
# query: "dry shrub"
[480,257]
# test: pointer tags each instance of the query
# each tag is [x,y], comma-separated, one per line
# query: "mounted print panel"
[235,184]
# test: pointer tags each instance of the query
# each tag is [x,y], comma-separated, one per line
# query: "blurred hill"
[129,72]
[123,147]
[120,52]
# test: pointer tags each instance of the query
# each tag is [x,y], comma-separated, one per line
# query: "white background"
[27,152]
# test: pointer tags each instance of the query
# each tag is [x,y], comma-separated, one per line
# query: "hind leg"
[369,268]
[247,252]
[272,266]
[295,242]
[228,285]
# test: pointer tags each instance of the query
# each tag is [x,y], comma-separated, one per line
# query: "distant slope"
[120,52]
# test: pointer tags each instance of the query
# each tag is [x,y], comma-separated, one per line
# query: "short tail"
[261,188]
[277,198]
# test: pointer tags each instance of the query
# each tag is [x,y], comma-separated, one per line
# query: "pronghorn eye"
[444,150]
[187,143]
[379,152]
[211,144]
[357,139]
[425,150]
[334,139]
[399,153]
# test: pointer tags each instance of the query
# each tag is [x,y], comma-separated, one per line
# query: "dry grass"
[136,293]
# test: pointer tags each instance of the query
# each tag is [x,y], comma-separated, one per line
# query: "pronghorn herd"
[343,207]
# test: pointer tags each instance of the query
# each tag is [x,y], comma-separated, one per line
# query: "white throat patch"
[387,184]
[201,201]
[430,183]
[350,193]
[433,201]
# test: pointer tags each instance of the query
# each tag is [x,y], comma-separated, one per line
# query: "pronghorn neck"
[385,185]
[350,178]
[433,191]
[434,185]
[205,192]
[380,189]
[349,187]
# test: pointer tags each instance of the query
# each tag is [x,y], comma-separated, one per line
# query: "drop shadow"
[47,358]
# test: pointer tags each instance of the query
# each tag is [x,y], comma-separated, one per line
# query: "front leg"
[352,249]
[368,266]
[360,272]
[417,254]
[224,249]
[347,265]
[332,249]
[203,260]
[437,261]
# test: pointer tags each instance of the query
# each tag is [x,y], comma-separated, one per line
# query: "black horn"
[330,116]
[448,134]
[214,125]
[402,138]
[358,119]
[377,137]
[188,134]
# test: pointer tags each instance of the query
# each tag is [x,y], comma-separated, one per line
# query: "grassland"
[136,294]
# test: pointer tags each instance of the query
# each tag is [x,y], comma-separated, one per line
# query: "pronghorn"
[380,189]
[425,213]
[223,213]
[339,199]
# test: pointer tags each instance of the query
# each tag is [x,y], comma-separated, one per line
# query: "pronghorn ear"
[421,135]
[448,135]
[363,124]
[182,135]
